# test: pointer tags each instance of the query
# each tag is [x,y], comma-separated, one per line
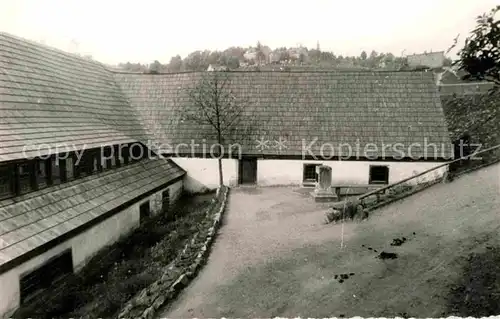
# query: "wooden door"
[248,171]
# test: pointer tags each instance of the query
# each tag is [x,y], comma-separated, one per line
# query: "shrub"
[350,210]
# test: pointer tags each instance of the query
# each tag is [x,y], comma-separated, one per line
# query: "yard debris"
[350,210]
[398,241]
[342,277]
[386,255]
[369,248]
[333,215]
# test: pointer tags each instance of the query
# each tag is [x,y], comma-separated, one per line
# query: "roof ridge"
[279,72]
[53,49]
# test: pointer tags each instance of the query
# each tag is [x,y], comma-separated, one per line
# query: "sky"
[147,30]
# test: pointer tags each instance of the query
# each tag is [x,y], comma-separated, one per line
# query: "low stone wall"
[183,269]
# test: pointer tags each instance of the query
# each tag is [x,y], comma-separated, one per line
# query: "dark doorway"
[248,171]
[144,212]
[42,277]
[165,201]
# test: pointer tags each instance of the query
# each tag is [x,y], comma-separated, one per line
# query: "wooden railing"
[419,181]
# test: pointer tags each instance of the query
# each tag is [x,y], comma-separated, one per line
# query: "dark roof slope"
[48,96]
[36,219]
[475,114]
[299,107]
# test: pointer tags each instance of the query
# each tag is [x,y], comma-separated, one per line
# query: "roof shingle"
[48,97]
[36,218]
[301,107]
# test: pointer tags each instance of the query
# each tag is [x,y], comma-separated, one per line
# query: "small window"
[144,212]
[118,156]
[136,152]
[379,175]
[125,154]
[6,178]
[41,173]
[95,164]
[165,200]
[26,174]
[107,158]
[58,171]
[87,164]
[69,163]
[310,174]
[113,161]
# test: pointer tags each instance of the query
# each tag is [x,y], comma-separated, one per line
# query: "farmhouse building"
[54,215]
[430,60]
[75,170]
[371,127]
[451,82]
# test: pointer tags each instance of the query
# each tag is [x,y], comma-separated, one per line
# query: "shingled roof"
[51,97]
[37,219]
[333,107]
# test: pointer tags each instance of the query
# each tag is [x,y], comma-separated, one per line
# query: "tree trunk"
[221,179]
[219,148]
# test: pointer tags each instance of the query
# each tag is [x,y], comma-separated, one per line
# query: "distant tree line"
[236,57]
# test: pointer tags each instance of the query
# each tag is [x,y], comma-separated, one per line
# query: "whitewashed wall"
[290,172]
[83,246]
[203,173]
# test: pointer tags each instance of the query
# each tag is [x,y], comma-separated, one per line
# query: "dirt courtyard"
[275,257]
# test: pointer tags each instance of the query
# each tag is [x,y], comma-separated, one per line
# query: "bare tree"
[260,55]
[216,104]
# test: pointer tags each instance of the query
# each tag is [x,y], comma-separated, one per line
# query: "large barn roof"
[48,96]
[51,97]
[39,220]
[331,108]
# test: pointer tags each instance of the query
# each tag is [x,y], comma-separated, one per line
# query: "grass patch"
[117,272]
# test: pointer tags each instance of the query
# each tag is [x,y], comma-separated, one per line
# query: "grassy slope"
[431,277]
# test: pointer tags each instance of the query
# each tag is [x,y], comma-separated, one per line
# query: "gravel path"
[274,257]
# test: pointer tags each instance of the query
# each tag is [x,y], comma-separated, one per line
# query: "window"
[59,171]
[165,197]
[41,173]
[136,152]
[26,176]
[69,165]
[118,156]
[6,185]
[87,165]
[379,174]
[125,155]
[43,276]
[31,175]
[144,212]
[107,163]
[310,174]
